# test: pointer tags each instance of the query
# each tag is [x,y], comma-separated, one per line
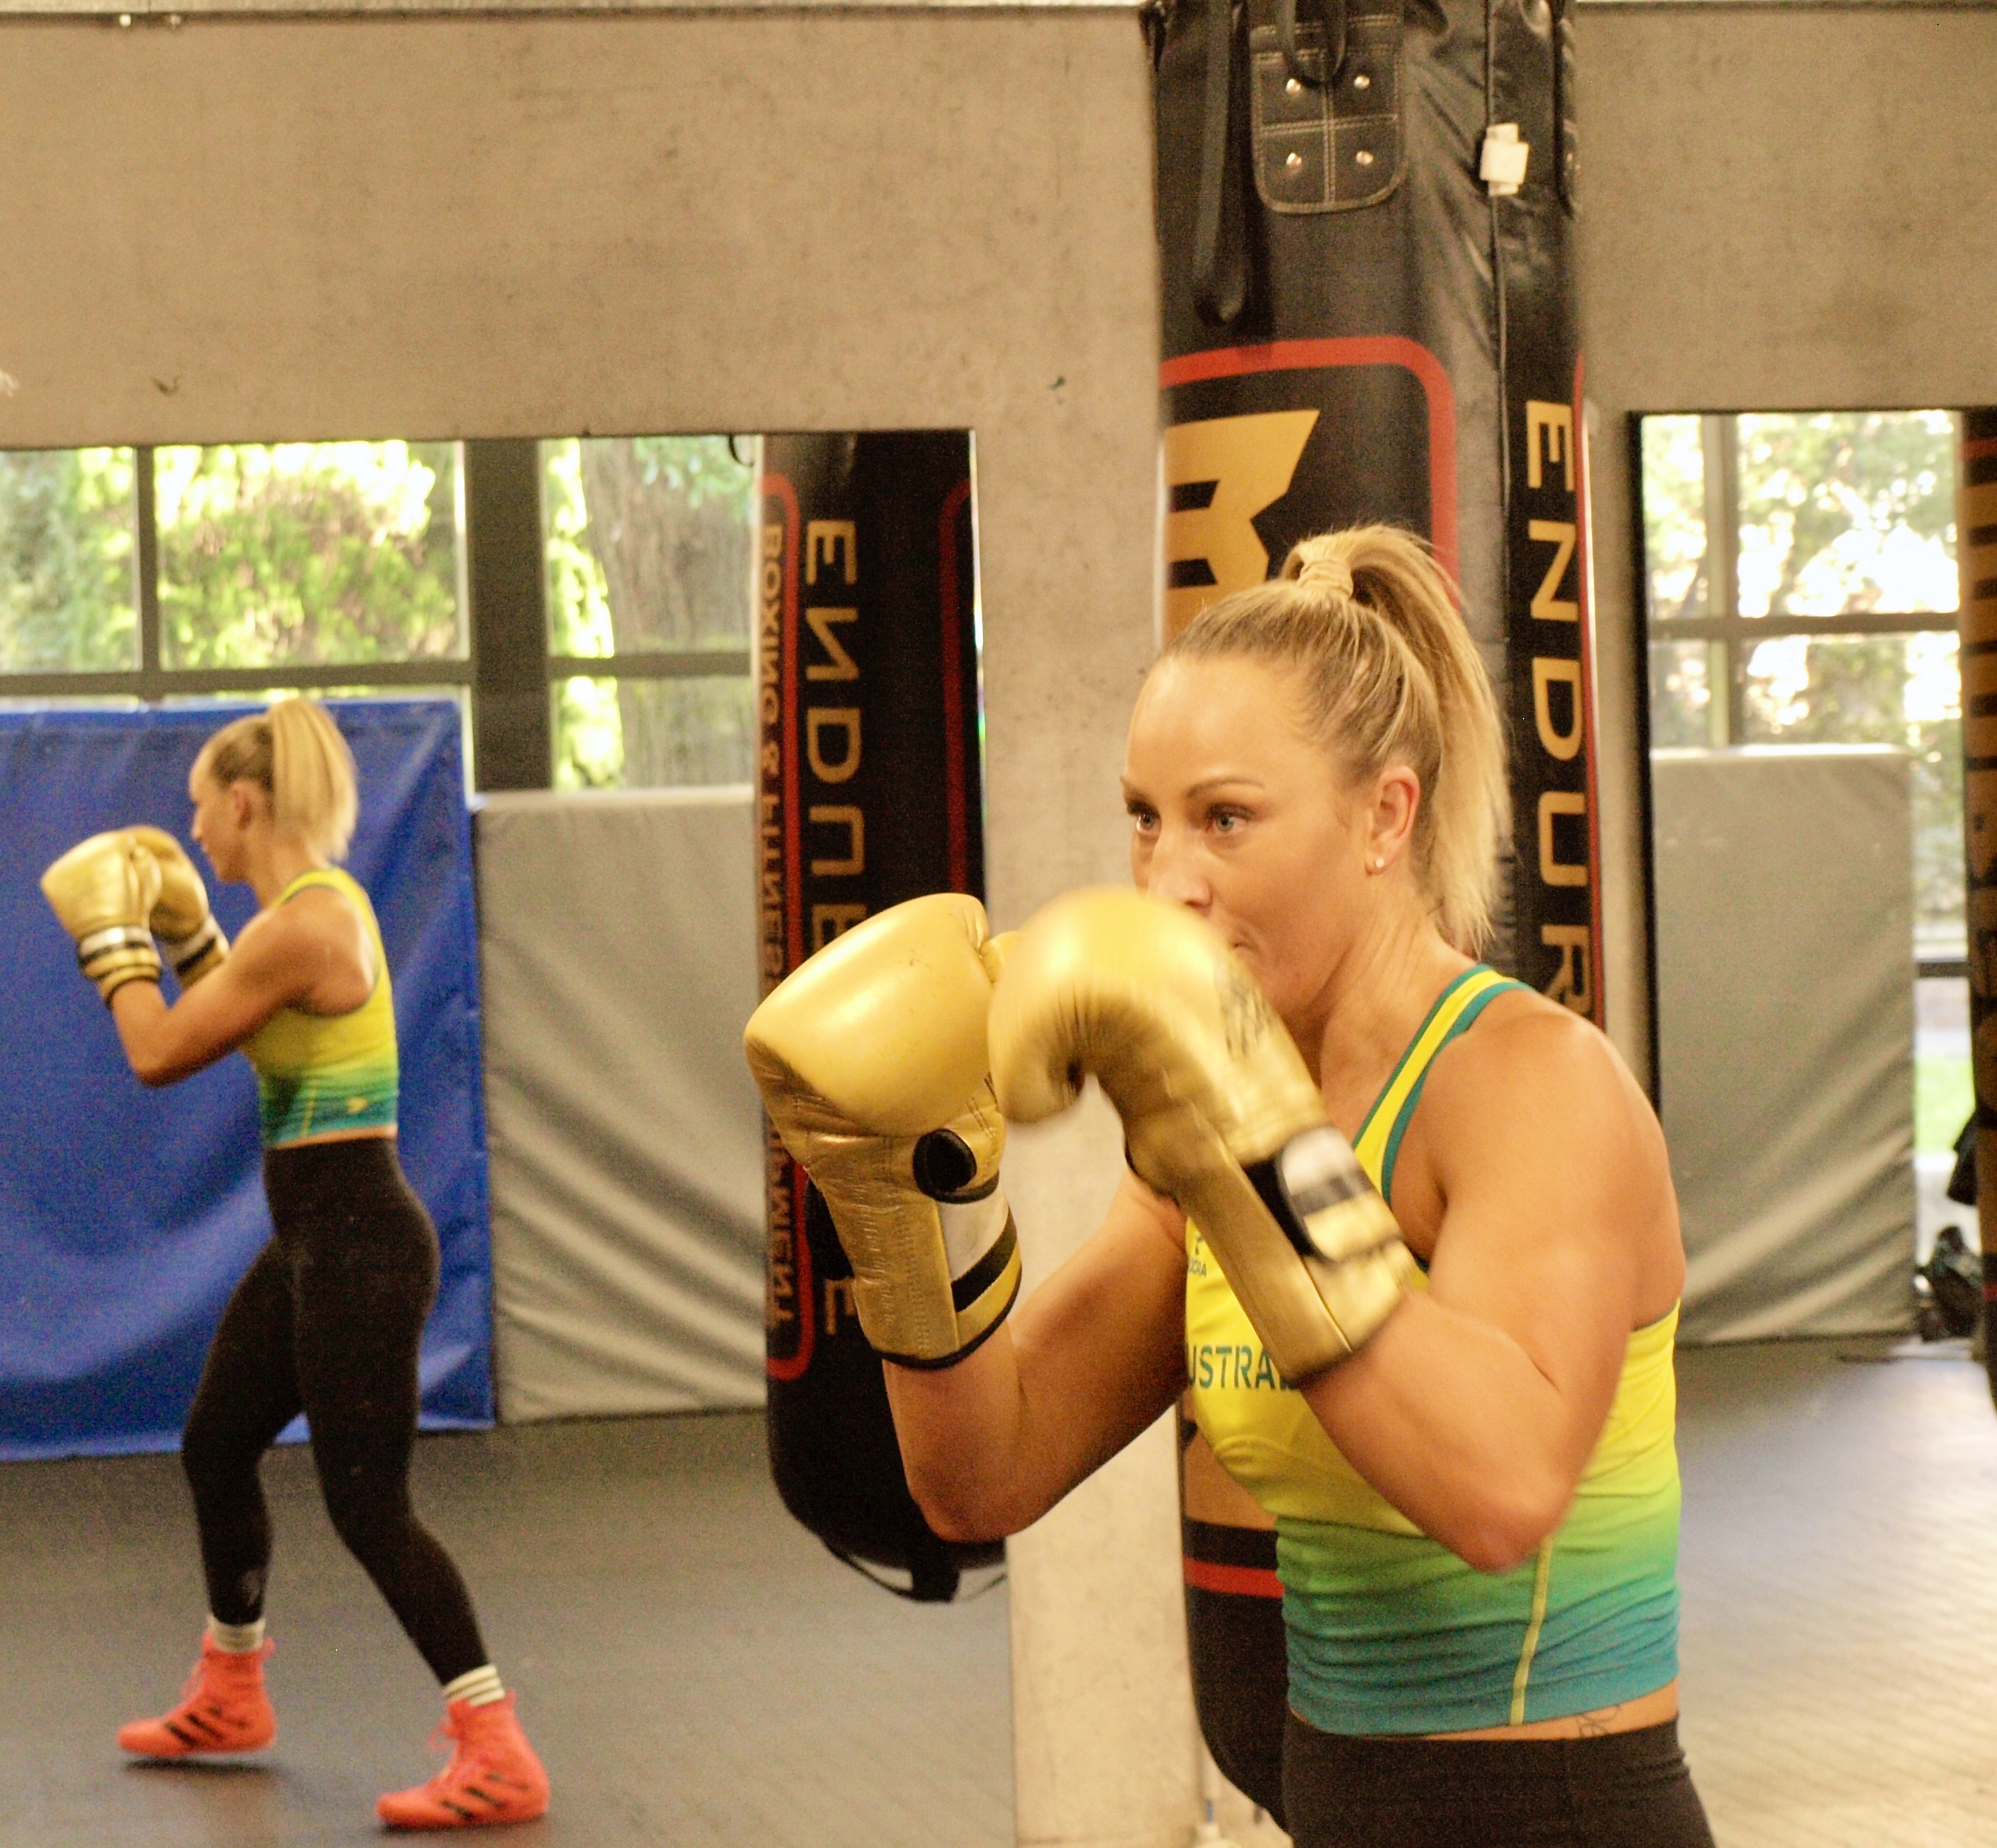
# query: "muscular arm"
[1475,1410]
[310,952]
[1093,1357]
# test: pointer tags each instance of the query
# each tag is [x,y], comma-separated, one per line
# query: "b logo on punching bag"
[869,792]
[1225,474]
[1220,474]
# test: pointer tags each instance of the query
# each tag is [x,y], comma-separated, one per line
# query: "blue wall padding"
[126,1215]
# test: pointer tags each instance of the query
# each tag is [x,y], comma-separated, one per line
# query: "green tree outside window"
[307,554]
[68,596]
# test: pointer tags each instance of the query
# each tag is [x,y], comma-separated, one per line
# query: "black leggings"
[326,1321]
[1618,1790]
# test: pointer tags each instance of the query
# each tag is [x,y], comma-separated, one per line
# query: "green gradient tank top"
[319,1074]
[1389,1632]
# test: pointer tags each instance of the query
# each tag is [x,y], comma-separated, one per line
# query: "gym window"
[149,574]
[586,600]
[647,540]
[1800,588]
[1800,573]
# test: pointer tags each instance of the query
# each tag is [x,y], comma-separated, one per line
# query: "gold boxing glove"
[186,928]
[1218,1110]
[870,1058]
[103,890]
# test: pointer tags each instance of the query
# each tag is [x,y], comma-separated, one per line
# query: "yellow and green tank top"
[1388,1632]
[320,1074]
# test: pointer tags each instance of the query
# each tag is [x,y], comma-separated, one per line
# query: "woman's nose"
[1174,876]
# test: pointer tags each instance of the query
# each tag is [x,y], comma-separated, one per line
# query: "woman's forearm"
[1094,1357]
[1449,1419]
[140,1012]
[962,1432]
[166,1044]
[989,1448]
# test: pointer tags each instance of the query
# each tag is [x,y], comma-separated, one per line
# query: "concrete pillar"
[1102,1698]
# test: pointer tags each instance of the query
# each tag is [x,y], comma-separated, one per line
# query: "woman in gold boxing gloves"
[328,1319]
[1459,1412]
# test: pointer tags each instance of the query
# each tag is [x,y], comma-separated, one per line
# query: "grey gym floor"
[697,1671]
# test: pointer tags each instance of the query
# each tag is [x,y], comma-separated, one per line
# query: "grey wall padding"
[617,939]
[1785,893]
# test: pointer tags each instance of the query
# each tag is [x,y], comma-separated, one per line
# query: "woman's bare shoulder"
[1533,1066]
[320,931]
[317,913]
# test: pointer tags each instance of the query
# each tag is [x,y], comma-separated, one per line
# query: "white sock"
[480,1688]
[237,1639]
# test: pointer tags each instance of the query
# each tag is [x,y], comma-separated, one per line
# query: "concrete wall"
[1780,213]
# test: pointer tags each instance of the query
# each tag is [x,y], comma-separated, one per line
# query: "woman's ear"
[242,805]
[1397,798]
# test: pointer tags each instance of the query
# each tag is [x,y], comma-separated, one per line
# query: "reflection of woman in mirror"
[1466,1440]
[328,1319]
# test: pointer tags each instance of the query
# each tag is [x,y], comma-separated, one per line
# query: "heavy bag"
[869,792]
[1365,214]
[1365,220]
[1234,1623]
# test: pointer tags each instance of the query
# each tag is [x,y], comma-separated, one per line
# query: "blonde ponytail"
[1391,676]
[295,753]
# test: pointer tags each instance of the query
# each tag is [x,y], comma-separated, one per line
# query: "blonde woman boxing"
[1403,1230]
[328,1319]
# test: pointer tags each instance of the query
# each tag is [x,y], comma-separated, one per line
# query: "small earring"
[1379,866]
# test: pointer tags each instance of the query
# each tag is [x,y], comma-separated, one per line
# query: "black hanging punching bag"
[1234,1623]
[869,792]
[1365,219]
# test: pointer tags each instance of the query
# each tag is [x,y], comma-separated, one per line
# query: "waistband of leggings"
[305,1177]
[1610,1751]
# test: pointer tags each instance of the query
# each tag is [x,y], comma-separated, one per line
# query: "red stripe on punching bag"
[1239,1581]
[778,488]
[805,1284]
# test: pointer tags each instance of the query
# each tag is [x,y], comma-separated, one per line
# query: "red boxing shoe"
[493,1775]
[223,1708]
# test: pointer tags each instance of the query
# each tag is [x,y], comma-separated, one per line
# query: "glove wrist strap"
[113,937]
[184,953]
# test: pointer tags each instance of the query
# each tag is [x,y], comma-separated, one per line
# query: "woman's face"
[220,822]
[1239,816]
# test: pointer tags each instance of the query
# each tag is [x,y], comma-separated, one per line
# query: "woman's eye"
[1145,820]
[1227,821]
